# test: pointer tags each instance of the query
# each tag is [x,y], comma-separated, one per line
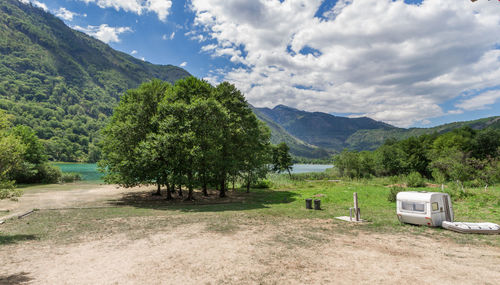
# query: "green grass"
[285,202]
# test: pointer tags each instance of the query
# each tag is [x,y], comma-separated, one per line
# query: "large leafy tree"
[190,134]
[132,122]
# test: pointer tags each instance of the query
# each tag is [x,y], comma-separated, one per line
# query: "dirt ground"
[51,196]
[287,252]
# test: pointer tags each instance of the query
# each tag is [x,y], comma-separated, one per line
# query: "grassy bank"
[283,203]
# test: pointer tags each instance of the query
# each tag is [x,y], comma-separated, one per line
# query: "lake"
[89,172]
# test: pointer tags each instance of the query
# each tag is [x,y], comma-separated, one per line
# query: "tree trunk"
[289,173]
[180,190]
[234,178]
[158,190]
[204,189]
[222,190]
[248,186]
[190,187]
[169,192]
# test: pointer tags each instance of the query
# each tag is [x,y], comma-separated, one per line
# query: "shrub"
[70,177]
[261,184]
[393,193]
[414,179]
[49,173]
[8,190]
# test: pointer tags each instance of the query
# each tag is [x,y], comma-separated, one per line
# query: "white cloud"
[133,52]
[104,32]
[385,59]
[183,64]
[164,37]
[65,14]
[172,35]
[143,58]
[160,7]
[480,101]
[39,5]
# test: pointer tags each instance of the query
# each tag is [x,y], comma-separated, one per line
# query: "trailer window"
[413,206]
[435,206]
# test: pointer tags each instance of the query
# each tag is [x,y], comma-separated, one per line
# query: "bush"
[414,179]
[70,177]
[457,191]
[8,190]
[49,173]
[262,184]
[393,193]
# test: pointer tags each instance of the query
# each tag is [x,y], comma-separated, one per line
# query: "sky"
[412,63]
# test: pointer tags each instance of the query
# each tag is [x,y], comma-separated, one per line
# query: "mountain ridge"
[64,83]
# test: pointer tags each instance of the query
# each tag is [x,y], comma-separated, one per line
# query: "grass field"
[284,201]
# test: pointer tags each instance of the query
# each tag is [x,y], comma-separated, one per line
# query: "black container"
[309,204]
[317,204]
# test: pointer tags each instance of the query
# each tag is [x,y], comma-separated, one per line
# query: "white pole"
[356,210]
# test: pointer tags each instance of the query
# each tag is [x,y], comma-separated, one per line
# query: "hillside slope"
[371,139]
[61,82]
[297,146]
[320,129]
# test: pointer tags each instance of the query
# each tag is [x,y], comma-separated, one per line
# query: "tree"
[133,121]
[190,134]
[282,160]
[11,151]
[256,155]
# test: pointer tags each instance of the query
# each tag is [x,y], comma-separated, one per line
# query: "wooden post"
[356,210]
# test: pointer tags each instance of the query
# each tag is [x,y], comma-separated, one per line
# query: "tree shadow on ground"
[9,239]
[18,278]
[237,200]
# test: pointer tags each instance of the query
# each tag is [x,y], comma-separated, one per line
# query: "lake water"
[89,172]
[301,168]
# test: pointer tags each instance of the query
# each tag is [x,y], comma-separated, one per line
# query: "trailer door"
[447,214]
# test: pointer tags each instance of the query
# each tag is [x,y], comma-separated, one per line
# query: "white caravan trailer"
[424,208]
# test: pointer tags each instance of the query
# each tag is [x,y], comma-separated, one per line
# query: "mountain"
[371,139]
[297,147]
[61,82]
[320,129]
[318,135]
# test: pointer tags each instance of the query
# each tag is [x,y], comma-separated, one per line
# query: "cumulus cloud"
[65,14]
[384,59]
[104,32]
[480,101]
[183,64]
[160,7]
[39,5]
[133,52]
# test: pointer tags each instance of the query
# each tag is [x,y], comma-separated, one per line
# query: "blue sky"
[409,63]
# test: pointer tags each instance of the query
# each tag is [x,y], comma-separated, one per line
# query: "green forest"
[464,155]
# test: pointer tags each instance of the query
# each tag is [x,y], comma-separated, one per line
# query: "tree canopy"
[190,134]
[463,154]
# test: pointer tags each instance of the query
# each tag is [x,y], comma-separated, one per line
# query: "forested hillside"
[63,83]
[320,129]
[297,147]
[372,139]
